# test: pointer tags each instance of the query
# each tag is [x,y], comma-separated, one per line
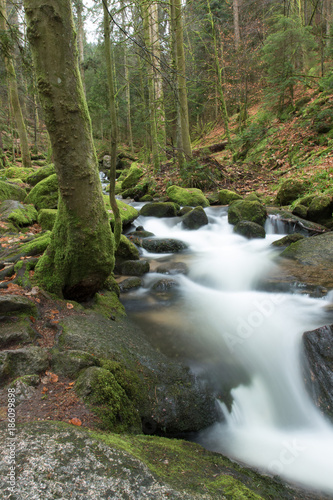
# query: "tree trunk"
[127,83]
[80,255]
[236,23]
[80,38]
[13,94]
[114,131]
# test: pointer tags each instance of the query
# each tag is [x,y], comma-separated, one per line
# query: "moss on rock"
[187,197]
[225,196]
[131,180]
[289,191]
[40,174]
[10,191]
[127,213]
[45,193]
[108,304]
[243,210]
[24,215]
[320,208]
[47,217]
[249,229]
[18,173]
[159,209]
[126,249]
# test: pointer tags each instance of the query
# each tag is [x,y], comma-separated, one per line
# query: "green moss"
[243,210]
[289,191]
[139,190]
[126,249]
[133,176]
[127,213]
[187,197]
[108,305]
[45,193]
[22,269]
[11,192]
[159,209]
[18,172]
[40,174]
[24,216]
[46,218]
[225,196]
[37,246]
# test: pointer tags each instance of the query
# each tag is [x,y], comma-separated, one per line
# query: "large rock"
[40,174]
[159,209]
[314,251]
[13,332]
[18,304]
[127,213]
[320,208]
[45,193]
[252,211]
[163,245]
[318,367]
[187,197]
[17,213]
[134,267]
[135,173]
[249,229]
[24,361]
[195,219]
[10,191]
[226,196]
[289,191]
[126,250]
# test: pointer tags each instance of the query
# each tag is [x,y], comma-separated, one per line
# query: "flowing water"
[218,318]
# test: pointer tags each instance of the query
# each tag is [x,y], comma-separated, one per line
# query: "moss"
[45,193]
[111,285]
[11,192]
[159,209]
[133,176]
[126,249]
[137,191]
[225,196]
[46,218]
[37,246]
[108,305]
[243,210]
[18,172]
[40,174]
[187,197]
[127,213]
[29,380]
[22,269]
[289,191]
[24,216]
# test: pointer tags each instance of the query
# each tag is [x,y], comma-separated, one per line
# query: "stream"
[222,319]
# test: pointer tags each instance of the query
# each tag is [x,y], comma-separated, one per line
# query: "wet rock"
[130,284]
[172,268]
[195,219]
[249,229]
[25,361]
[296,223]
[184,211]
[164,285]
[288,240]
[252,211]
[159,209]
[318,367]
[126,249]
[289,191]
[134,267]
[312,251]
[163,245]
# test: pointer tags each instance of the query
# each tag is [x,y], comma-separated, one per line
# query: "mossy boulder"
[10,191]
[36,246]
[40,174]
[159,209]
[289,191]
[288,240]
[47,217]
[191,197]
[320,208]
[107,304]
[134,267]
[225,196]
[129,284]
[300,210]
[136,192]
[195,219]
[70,363]
[17,213]
[14,332]
[126,250]
[134,175]
[19,173]
[249,229]
[252,211]
[163,245]
[45,193]
[314,251]
[10,304]
[127,213]
[23,361]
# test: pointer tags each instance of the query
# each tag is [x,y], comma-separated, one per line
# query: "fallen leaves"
[69,305]
[75,421]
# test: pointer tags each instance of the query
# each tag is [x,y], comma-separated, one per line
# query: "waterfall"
[252,340]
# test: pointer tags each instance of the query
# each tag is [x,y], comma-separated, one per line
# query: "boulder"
[187,197]
[163,245]
[134,267]
[45,193]
[159,209]
[320,208]
[127,213]
[314,251]
[15,332]
[130,284]
[164,285]
[252,211]
[40,174]
[249,229]
[172,268]
[17,213]
[136,192]
[25,387]
[126,250]
[24,361]
[46,218]
[70,363]
[226,196]
[195,219]
[289,191]
[18,304]
[300,210]
[10,191]
[318,367]
[36,246]
[288,240]
[131,180]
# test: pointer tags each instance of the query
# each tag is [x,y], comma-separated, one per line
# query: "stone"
[195,219]
[320,208]
[312,251]
[126,249]
[163,245]
[40,174]
[164,285]
[132,178]
[25,387]
[172,268]
[318,367]
[187,196]
[13,332]
[24,361]
[225,196]
[127,213]
[300,210]
[288,240]
[45,193]
[17,304]
[130,284]
[289,191]
[70,363]
[159,209]
[252,211]
[9,191]
[249,229]
[134,267]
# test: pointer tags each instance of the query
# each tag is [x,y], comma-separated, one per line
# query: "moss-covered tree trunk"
[13,91]
[80,255]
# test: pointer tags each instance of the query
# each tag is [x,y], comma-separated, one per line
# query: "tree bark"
[236,23]
[13,94]
[80,38]
[81,252]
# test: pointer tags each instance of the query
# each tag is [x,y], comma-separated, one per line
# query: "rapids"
[221,321]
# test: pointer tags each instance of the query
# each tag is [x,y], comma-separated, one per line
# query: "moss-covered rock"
[163,245]
[126,250]
[36,246]
[249,229]
[131,180]
[22,270]
[19,173]
[320,208]
[127,213]
[195,219]
[159,209]
[47,217]
[191,197]
[134,267]
[10,191]
[130,284]
[225,196]
[23,361]
[70,363]
[137,191]
[313,251]
[107,304]
[40,174]
[17,213]
[10,304]
[45,193]
[15,332]
[288,240]
[289,191]
[300,210]
[252,211]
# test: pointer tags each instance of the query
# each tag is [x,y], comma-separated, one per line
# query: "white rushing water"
[272,423]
